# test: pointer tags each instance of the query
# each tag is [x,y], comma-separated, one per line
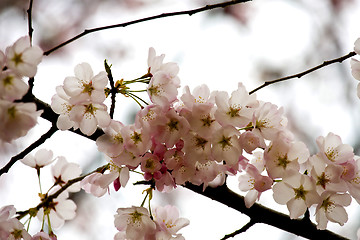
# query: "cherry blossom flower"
[112,142]
[136,140]
[11,227]
[171,128]
[297,191]
[84,86]
[60,104]
[58,210]
[225,146]
[164,82]
[200,95]
[44,236]
[89,116]
[332,209]
[327,177]
[236,110]
[168,222]
[12,87]
[254,183]
[283,154]
[201,118]
[332,150]
[268,120]
[23,58]
[16,119]
[250,141]
[135,222]
[357,46]
[63,171]
[42,158]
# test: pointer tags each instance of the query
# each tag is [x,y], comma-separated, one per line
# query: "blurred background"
[251,43]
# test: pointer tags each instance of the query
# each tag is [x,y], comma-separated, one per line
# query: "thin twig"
[299,75]
[112,88]
[241,230]
[34,145]
[163,15]
[29,12]
[51,197]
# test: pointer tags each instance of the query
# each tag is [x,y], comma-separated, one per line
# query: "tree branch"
[51,197]
[299,75]
[34,145]
[163,15]
[241,230]
[261,214]
[29,12]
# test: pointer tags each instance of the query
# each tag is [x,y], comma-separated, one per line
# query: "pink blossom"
[297,191]
[254,183]
[283,154]
[84,86]
[59,210]
[112,142]
[332,150]
[60,104]
[236,110]
[332,209]
[250,141]
[268,120]
[12,87]
[89,116]
[23,58]
[135,222]
[225,145]
[64,171]
[42,158]
[17,119]
[168,222]
[355,68]
[357,46]
[136,140]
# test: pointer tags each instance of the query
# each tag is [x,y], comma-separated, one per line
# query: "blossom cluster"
[202,136]
[199,137]
[79,101]
[19,60]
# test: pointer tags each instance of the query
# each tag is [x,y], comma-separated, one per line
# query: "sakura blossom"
[135,222]
[12,87]
[84,86]
[42,158]
[11,227]
[23,58]
[60,104]
[17,119]
[236,110]
[63,171]
[297,191]
[332,209]
[58,210]
[168,222]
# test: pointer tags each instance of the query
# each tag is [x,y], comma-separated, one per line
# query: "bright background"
[252,42]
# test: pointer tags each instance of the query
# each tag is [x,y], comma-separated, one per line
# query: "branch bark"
[260,214]
[299,75]
[163,15]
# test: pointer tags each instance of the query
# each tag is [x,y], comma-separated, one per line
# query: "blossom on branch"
[23,58]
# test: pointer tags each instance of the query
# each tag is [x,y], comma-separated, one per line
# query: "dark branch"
[241,230]
[163,15]
[34,145]
[261,214]
[112,88]
[299,75]
[29,12]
